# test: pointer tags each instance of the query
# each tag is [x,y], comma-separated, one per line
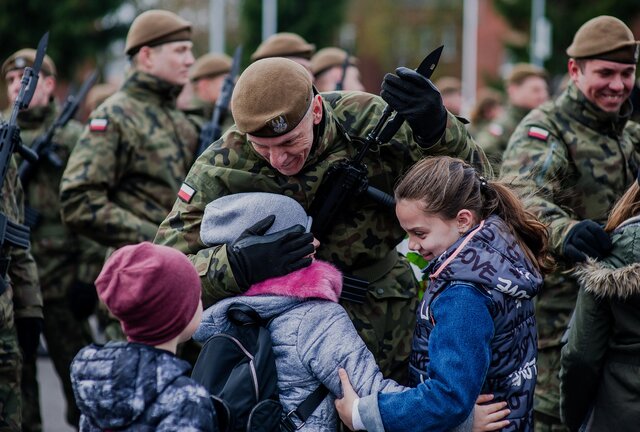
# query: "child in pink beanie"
[140,384]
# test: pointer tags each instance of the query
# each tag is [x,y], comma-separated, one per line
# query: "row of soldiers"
[137,151]
[67,261]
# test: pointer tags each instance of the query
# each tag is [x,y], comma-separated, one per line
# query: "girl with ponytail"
[476,329]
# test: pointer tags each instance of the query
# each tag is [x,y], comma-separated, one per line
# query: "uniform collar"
[150,88]
[586,112]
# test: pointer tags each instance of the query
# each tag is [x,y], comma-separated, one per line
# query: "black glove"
[83,298]
[417,100]
[255,257]
[29,330]
[586,239]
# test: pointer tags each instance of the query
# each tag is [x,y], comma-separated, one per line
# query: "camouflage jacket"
[494,137]
[22,299]
[364,234]
[570,161]
[62,256]
[123,175]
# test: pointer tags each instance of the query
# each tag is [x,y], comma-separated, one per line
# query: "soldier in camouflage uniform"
[285,138]
[131,158]
[207,76]
[20,308]
[289,45]
[526,89]
[571,159]
[67,263]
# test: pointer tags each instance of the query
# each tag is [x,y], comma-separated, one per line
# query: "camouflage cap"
[210,65]
[327,58]
[271,97]
[25,57]
[605,38]
[283,45]
[521,71]
[156,27]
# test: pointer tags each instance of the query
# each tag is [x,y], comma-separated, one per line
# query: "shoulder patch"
[98,124]
[186,193]
[538,133]
[495,129]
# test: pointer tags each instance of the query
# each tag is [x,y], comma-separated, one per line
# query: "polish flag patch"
[186,193]
[538,133]
[98,124]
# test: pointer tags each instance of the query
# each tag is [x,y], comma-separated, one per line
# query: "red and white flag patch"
[186,193]
[98,124]
[538,133]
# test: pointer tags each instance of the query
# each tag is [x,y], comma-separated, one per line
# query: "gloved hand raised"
[586,239]
[255,257]
[418,101]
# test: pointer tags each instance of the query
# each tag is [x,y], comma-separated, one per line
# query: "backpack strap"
[304,410]
[242,315]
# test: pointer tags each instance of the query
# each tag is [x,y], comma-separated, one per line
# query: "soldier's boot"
[31,418]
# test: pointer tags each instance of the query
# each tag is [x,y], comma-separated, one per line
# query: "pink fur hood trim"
[319,280]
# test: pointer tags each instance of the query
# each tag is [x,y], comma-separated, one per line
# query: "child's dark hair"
[446,185]
[627,206]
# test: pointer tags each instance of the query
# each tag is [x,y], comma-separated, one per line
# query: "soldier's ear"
[573,69]
[144,60]
[316,109]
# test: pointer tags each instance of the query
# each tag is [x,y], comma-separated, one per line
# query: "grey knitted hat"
[227,217]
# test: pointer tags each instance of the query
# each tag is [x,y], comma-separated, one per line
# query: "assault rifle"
[42,145]
[212,130]
[12,233]
[348,178]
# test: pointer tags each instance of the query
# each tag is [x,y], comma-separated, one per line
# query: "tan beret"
[327,58]
[605,38]
[284,45]
[448,84]
[25,57]
[210,65]
[99,93]
[521,71]
[156,27]
[271,97]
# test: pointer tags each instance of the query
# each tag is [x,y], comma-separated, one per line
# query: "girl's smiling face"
[430,235]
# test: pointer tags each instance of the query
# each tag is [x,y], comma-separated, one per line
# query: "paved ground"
[51,398]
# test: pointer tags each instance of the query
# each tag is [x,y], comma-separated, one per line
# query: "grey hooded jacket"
[312,337]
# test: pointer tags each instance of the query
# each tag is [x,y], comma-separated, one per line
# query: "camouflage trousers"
[65,336]
[10,372]
[386,321]
[546,403]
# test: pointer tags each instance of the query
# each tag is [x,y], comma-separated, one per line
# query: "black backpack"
[238,368]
